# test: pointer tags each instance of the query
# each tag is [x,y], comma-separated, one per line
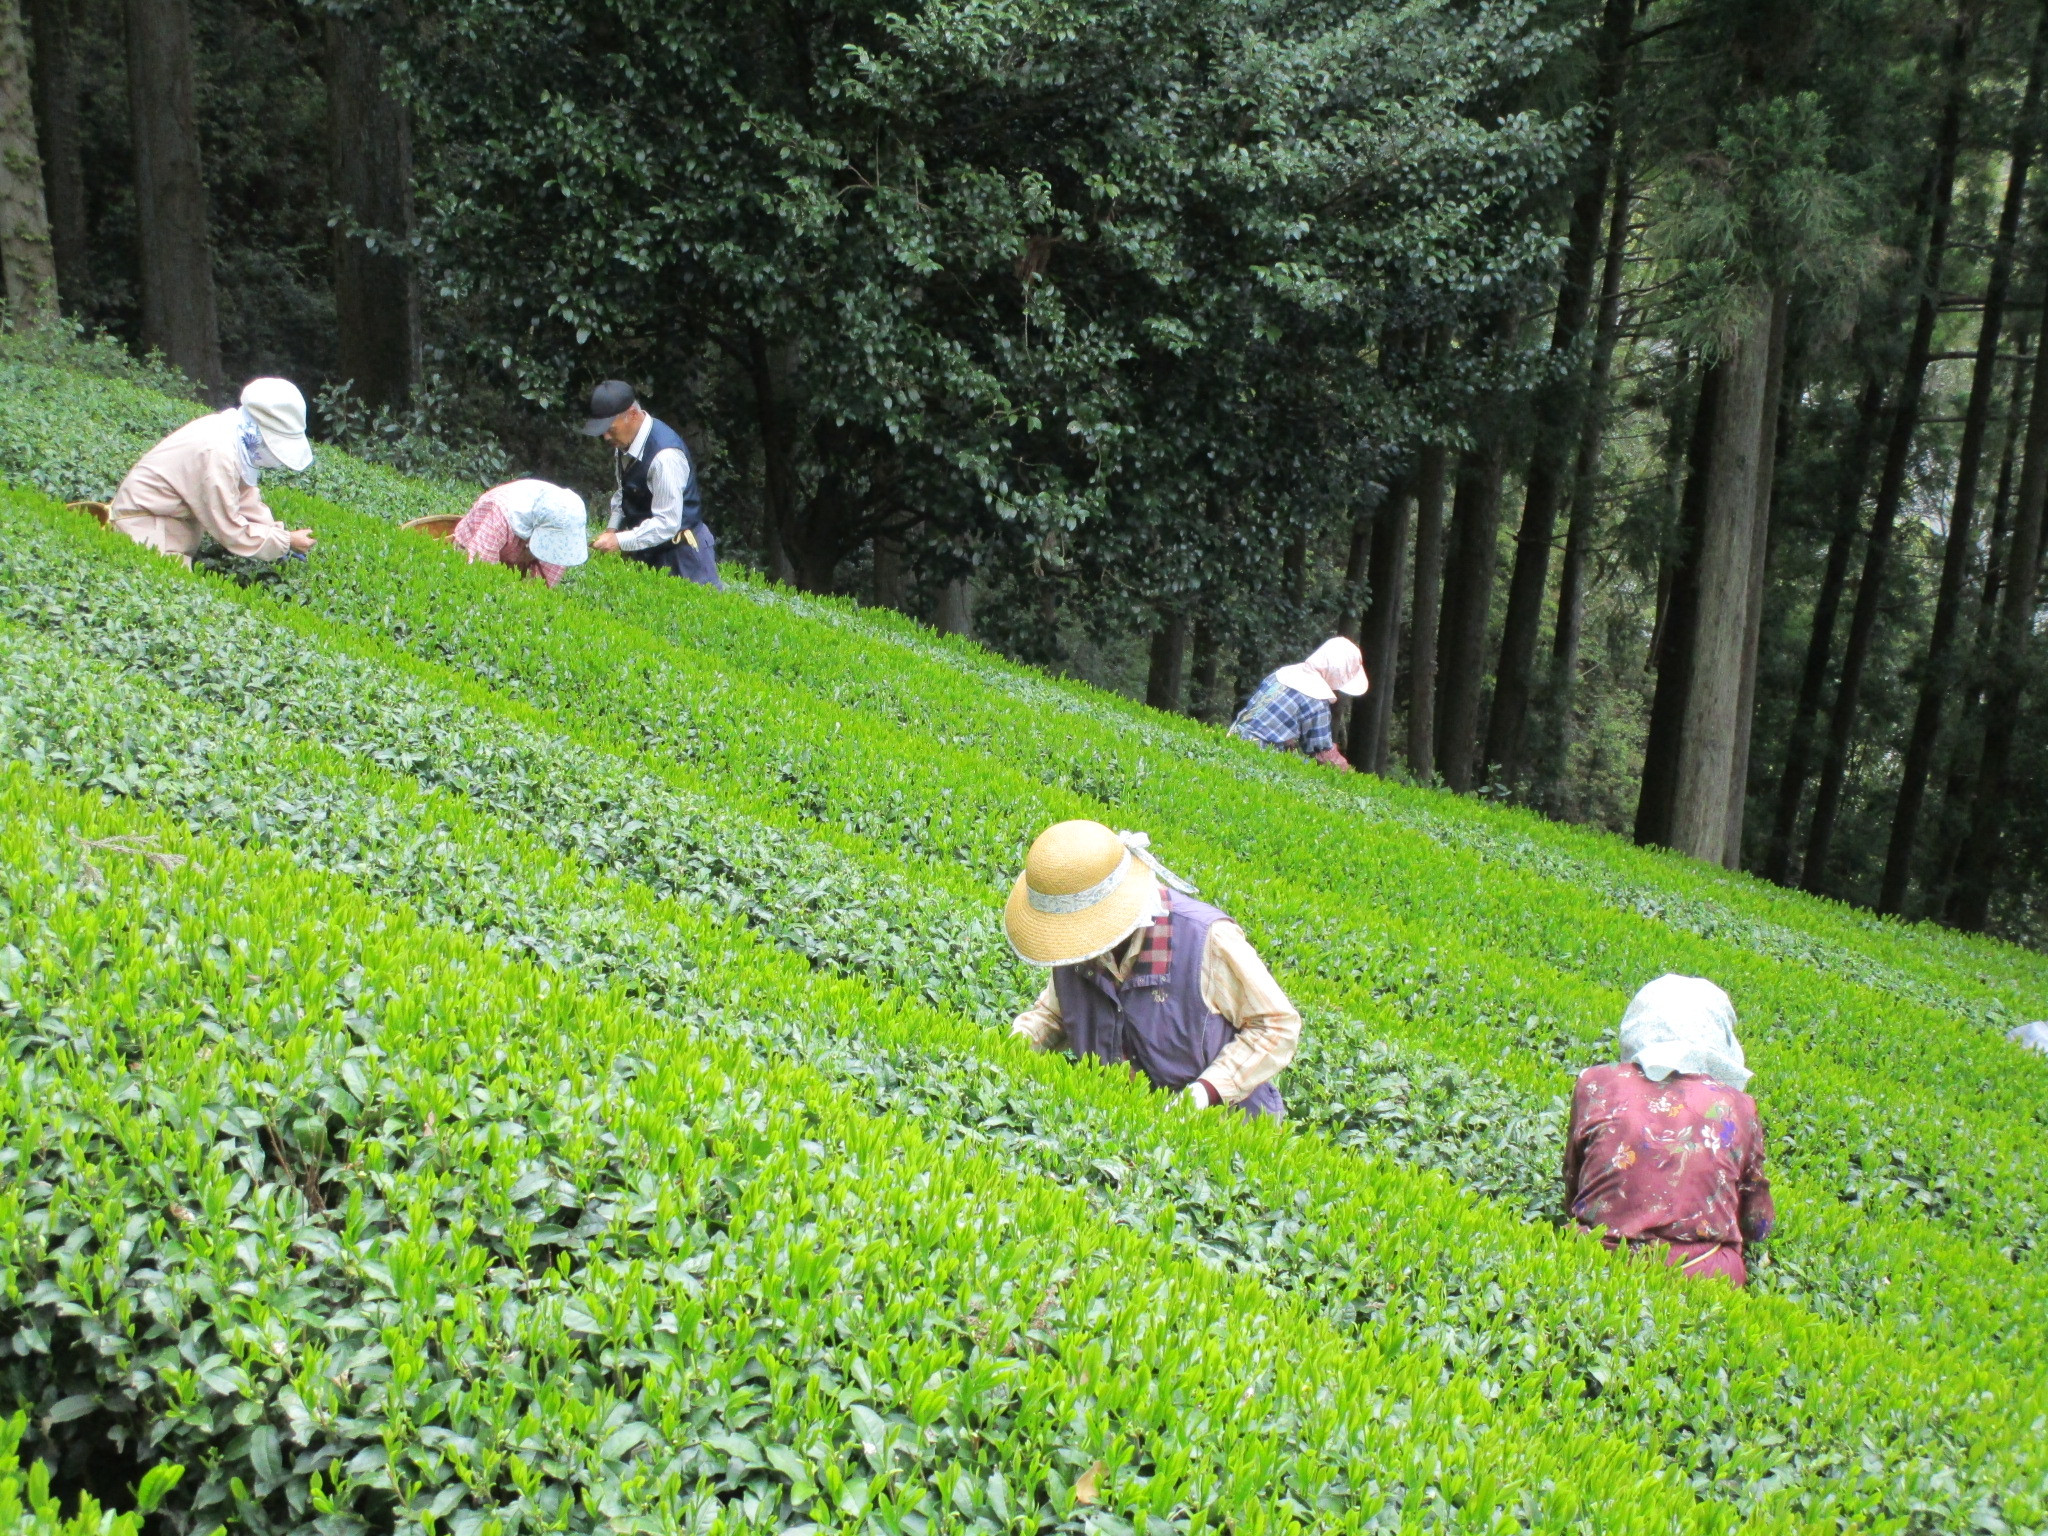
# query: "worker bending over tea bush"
[537,528]
[202,480]
[1664,1146]
[1290,709]
[1144,973]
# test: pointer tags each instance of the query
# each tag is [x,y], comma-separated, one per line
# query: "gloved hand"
[1198,1095]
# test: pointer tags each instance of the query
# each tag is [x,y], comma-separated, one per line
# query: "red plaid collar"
[1155,949]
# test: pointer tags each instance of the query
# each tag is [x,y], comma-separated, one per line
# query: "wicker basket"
[98,511]
[440,526]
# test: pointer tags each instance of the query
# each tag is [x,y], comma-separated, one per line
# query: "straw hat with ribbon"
[1084,890]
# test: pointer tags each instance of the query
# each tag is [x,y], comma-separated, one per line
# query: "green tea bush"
[1510,1308]
[71,347]
[75,435]
[386,1229]
[910,794]
[29,1508]
[634,785]
[935,937]
[830,645]
[434,437]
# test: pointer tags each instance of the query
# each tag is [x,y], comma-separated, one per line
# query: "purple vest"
[1159,1024]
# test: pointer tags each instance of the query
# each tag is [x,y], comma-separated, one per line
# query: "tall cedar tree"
[179,315]
[27,262]
[1905,420]
[1937,677]
[1558,410]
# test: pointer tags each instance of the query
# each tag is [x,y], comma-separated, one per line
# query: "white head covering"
[1683,1024]
[2033,1036]
[550,518]
[1332,668]
[279,413]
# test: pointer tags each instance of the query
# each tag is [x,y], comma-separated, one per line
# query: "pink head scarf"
[1334,667]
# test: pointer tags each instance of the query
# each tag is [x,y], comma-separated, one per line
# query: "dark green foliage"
[1079,285]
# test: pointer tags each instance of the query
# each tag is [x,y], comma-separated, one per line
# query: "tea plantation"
[484,1059]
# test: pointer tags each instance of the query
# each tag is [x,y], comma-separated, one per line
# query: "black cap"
[610,400]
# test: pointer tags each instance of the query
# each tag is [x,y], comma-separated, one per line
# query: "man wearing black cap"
[655,517]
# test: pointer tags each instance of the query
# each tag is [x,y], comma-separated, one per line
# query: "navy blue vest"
[636,497]
[1159,1024]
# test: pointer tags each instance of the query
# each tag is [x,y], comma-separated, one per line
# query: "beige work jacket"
[190,485]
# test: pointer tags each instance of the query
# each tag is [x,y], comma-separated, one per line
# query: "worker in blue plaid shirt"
[1290,709]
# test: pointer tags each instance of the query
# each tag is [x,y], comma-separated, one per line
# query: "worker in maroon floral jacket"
[1145,974]
[1664,1145]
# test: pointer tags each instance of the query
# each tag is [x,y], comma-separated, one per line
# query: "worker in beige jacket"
[202,480]
[1145,973]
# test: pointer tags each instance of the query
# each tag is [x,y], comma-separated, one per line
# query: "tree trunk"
[369,181]
[178,314]
[1208,662]
[890,590]
[1977,868]
[1960,790]
[2001,516]
[1706,747]
[1677,626]
[1357,559]
[1250,672]
[1680,457]
[1891,483]
[771,364]
[955,614]
[1571,576]
[1380,634]
[1169,656]
[1558,412]
[1938,676]
[1430,471]
[1468,604]
[56,90]
[1773,427]
[1820,644]
[27,260]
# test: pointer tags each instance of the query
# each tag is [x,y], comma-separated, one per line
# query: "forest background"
[1652,387]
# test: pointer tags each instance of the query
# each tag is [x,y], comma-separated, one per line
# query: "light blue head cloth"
[1683,1024]
[550,518]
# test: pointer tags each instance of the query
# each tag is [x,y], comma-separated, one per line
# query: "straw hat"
[1084,890]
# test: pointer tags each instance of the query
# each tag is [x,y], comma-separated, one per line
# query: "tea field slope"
[116,730]
[653,828]
[919,925]
[410,1232]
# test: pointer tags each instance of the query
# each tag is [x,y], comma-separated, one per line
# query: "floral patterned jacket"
[1679,1162]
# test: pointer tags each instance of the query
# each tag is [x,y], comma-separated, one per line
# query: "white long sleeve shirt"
[668,476]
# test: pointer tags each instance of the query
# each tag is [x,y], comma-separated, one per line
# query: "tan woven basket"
[439,526]
[98,511]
